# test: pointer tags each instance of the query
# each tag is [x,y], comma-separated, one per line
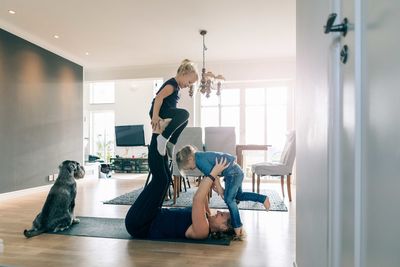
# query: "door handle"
[329,27]
[344,54]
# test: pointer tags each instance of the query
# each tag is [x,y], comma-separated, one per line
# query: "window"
[102,93]
[276,119]
[230,110]
[222,110]
[255,116]
[156,86]
[266,123]
[210,110]
[259,114]
[102,137]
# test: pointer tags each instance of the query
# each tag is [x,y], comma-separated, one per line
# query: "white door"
[343,135]
[364,177]
[312,98]
[348,127]
[380,132]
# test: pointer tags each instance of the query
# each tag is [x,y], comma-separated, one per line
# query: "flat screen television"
[129,135]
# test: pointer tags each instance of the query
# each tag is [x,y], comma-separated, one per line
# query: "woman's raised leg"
[148,203]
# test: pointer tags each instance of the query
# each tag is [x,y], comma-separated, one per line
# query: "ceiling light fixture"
[56,36]
[209,81]
[11,12]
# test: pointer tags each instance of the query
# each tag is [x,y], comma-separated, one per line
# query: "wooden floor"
[270,235]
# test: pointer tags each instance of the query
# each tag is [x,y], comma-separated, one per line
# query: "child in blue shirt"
[188,158]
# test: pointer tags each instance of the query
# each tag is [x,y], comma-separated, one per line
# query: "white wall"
[133,101]
[243,71]
[132,104]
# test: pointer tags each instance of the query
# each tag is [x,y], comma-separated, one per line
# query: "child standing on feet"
[164,106]
[188,158]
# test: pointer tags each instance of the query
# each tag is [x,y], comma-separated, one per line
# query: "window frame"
[242,86]
[92,92]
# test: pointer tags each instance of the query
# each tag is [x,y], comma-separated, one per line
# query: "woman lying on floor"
[146,218]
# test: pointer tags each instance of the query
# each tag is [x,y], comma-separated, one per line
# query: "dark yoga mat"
[115,228]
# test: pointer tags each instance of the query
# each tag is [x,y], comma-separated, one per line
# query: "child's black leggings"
[179,121]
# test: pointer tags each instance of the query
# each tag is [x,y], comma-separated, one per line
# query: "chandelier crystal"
[209,81]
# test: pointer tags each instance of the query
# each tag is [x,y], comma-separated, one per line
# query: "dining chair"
[282,168]
[220,139]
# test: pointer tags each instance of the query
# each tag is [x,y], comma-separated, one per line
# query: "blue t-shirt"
[205,161]
[170,223]
[170,101]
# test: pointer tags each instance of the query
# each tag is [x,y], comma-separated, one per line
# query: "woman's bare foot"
[267,204]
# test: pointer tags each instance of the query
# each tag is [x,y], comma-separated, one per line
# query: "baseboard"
[23,192]
[92,170]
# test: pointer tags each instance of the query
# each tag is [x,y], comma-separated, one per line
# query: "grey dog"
[58,211]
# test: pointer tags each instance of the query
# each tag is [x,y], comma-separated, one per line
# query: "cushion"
[270,168]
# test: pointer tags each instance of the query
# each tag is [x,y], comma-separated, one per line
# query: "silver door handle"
[329,27]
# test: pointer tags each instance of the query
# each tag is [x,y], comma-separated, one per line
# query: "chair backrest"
[220,139]
[189,136]
[289,151]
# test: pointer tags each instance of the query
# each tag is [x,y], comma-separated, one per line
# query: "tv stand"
[137,165]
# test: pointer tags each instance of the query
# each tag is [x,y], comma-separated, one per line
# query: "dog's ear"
[64,164]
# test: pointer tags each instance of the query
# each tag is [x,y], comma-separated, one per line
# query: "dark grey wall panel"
[40,113]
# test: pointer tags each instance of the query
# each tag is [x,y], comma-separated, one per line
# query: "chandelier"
[209,81]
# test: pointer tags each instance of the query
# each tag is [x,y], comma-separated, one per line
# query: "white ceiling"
[154,32]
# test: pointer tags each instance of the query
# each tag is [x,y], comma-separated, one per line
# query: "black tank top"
[170,223]
[170,101]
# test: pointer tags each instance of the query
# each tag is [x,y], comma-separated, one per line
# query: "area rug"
[216,202]
[115,228]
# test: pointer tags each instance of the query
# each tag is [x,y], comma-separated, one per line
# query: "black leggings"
[149,202]
[179,121]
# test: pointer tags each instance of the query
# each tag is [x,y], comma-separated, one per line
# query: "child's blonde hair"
[186,67]
[182,156]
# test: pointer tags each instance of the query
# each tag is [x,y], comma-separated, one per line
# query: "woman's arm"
[200,227]
[206,207]
[158,100]
[218,187]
